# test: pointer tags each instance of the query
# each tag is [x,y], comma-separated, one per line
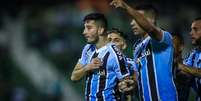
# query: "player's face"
[91,31]
[117,40]
[196,32]
[136,28]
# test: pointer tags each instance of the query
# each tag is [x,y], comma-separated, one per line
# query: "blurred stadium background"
[41,40]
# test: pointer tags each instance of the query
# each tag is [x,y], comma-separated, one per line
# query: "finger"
[122,86]
[116,6]
[130,82]
[112,3]
[122,89]
[96,61]
[122,83]
[128,89]
[96,66]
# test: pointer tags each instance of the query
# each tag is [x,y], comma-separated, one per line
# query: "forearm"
[139,18]
[143,22]
[78,73]
[192,70]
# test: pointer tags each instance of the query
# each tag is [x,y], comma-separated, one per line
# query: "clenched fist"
[126,85]
[118,3]
[95,64]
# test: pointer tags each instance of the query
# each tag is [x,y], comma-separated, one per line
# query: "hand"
[126,85]
[118,3]
[95,64]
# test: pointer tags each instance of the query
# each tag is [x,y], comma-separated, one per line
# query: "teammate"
[119,38]
[154,54]
[192,65]
[101,62]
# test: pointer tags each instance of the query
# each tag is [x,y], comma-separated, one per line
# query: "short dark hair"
[196,19]
[98,17]
[148,8]
[120,33]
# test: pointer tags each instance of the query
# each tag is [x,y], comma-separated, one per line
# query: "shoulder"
[166,39]
[166,34]
[89,47]
[191,54]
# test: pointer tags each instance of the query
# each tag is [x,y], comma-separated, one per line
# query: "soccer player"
[154,54]
[192,65]
[119,39]
[101,62]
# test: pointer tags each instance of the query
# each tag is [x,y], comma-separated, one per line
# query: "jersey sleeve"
[166,38]
[83,58]
[120,64]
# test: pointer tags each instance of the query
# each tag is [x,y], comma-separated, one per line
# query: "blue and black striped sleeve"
[83,58]
[166,38]
[190,59]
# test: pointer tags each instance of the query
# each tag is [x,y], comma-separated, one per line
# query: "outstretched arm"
[148,27]
[190,70]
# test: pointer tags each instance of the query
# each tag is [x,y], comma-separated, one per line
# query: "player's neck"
[102,42]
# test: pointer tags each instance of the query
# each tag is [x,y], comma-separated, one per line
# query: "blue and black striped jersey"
[101,83]
[155,59]
[194,60]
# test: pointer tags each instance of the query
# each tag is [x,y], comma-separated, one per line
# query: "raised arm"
[147,26]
